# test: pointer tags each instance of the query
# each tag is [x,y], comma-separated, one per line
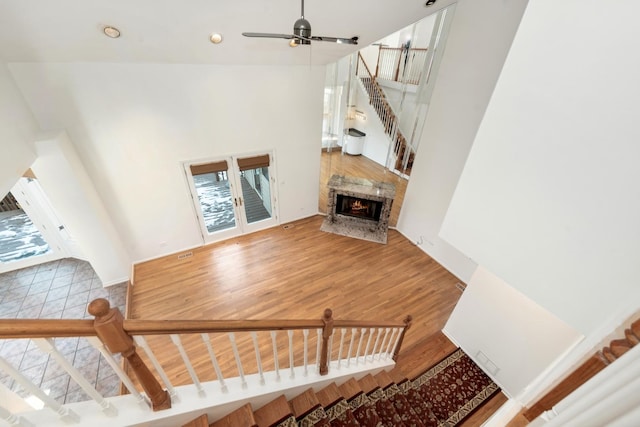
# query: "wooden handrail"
[167,327]
[45,328]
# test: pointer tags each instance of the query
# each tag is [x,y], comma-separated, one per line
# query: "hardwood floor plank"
[292,273]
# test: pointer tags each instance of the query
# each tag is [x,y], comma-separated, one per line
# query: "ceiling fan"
[302,34]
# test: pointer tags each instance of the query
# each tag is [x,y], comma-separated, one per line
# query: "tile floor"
[56,290]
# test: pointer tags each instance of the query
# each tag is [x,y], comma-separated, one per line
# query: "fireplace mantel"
[362,186]
[344,188]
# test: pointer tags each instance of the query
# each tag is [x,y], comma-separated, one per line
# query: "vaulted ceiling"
[177,31]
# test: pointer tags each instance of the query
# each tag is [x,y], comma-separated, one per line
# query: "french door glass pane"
[256,193]
[19,237]
[216,203]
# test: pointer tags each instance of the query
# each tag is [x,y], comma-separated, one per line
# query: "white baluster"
[363,332]
[375,345]
[141,342]
[319,334]
[394,331]
[47,346]
[99,345]
[366,349]
[66,415]
[187,363]
[305,334]
[13,419]
[234,347]
[214,362]
[292,373]
[329,352]
[254,337]
[342,332]
[384,339]
[353,334]
[276,363]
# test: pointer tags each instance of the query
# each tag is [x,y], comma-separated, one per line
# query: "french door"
[233,195]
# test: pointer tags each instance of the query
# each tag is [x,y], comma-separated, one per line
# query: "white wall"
[64,179]
[133,125]
[517,337]
[549,199]
[477,45]
[17,132]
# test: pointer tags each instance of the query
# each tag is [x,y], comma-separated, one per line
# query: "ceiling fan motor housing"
[302,29]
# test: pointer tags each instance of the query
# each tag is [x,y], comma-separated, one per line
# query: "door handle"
[235,202]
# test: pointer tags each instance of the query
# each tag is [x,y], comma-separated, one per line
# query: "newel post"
[108,324]
[327,330]
[407,324]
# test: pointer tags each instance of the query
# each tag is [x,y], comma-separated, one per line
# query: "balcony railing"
[196,363]
[400,64]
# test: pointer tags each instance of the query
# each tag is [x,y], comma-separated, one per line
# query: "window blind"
[253,162]
[209,168]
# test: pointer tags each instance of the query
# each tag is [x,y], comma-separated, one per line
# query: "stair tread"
[635,328]
[329,395]
[273,412]
[368,383]
[201,421]
[412,360]
[383,379]
[397,375]
[631,337]
[350,389]
[304,402]
[620,347]
[243,416]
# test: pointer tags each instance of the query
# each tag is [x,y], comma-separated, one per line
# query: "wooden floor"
[295,271]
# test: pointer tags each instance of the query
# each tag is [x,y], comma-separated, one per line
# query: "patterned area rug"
[441,397]
[454,388]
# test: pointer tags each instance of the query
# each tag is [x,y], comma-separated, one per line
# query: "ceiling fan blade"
[340,40]
[270,35]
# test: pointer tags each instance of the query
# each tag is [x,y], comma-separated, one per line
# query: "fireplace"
[359,208]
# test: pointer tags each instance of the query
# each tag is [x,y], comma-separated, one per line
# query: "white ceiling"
[177,31]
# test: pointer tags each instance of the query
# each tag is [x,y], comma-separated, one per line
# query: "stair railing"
[201,354]
[398,64]
[378,100]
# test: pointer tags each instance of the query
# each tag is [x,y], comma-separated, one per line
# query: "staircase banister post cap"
[108,324]
[99,307]
[327,319]
[408,320]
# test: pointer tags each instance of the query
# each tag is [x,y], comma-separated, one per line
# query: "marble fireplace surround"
[351,226]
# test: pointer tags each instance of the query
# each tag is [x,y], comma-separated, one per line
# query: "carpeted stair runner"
[443,396]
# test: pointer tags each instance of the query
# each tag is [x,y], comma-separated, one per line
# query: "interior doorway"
[31,232]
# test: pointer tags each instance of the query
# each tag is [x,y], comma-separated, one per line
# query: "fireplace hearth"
[359,208]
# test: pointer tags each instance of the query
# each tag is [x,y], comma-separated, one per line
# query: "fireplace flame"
[358,206]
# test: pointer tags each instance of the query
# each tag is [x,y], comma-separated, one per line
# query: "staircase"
[383,399]
[587,370]
[378,100]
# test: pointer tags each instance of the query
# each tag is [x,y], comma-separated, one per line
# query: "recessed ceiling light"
[112,32]
[430,2]
[216,38]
